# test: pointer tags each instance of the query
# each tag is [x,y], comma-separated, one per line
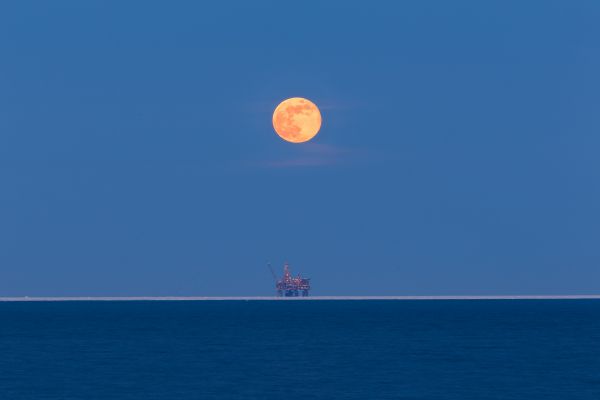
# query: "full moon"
[297,120]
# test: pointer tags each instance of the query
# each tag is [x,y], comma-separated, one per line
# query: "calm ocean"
[494,349]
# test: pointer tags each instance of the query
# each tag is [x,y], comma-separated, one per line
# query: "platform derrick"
[290,286]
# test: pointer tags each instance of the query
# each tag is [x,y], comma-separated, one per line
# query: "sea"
[180,350]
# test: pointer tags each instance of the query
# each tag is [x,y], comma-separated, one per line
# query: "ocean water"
[494,349]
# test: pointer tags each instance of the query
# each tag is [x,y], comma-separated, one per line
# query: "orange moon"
[297,120]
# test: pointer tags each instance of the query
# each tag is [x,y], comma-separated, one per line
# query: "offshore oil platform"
[289,286]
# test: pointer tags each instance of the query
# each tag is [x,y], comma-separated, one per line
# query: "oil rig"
[289,286]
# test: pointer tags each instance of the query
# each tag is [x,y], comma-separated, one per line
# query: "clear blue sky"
[459,152]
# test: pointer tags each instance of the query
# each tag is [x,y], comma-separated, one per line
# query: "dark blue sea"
[172,350]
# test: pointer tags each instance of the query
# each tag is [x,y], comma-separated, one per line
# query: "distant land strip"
[311,298]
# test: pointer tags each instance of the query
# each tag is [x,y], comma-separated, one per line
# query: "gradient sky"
[459,152]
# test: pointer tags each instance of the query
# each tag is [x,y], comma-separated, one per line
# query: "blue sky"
[458,153]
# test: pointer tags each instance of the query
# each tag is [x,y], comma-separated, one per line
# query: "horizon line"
[308,298]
